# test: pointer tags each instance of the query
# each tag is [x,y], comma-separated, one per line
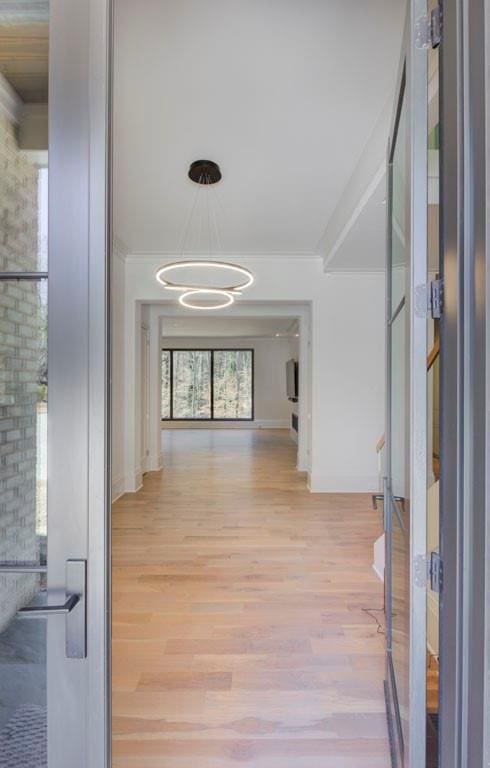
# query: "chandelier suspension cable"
[216,231]
[189,219]
[202,296]
[210,246]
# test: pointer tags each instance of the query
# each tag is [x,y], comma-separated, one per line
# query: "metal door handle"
[74,609]
[6,567]
[36,611]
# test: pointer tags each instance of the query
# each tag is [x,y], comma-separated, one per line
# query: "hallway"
[240,630]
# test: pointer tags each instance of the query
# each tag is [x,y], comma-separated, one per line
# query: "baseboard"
[155,463]
[117,487]
[257,424]
[302,463]
[293,435]
[342,484]
[133,482]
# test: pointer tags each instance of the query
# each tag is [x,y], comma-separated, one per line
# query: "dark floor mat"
[23,740]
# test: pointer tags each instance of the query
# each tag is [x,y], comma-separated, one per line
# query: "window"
[207,384]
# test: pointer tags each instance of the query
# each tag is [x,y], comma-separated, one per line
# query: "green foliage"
[232,384]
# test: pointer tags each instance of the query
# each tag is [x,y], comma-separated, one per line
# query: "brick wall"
[19,365]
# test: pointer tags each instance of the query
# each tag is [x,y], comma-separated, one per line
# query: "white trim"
[363,201]
[293,435]
[354,270]
[257,424]
[117,487]
[135,482]
[11,105]
[155,463]
[38,157]
[378,573]
[222,338]
[379,557]
[342,484]
[138,258]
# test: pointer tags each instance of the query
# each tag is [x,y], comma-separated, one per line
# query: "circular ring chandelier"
[204,173]
[162,277]
[186,298]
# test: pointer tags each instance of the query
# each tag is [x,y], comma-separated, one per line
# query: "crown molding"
[355,270]
[226,337]
[138,258]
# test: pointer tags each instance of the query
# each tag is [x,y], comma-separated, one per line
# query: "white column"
[132,470]
[156,454]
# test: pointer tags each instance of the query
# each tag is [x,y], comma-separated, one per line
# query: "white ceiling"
[236,327]
[283,94]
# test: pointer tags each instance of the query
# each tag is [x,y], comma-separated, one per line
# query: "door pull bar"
[38,611]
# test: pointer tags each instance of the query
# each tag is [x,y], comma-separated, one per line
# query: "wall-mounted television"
[292,380]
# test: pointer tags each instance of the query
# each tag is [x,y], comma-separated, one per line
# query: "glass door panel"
[400,517]
[399,522]
[23,519]
[433,360]
[45,671]
[406,407]
[24,30]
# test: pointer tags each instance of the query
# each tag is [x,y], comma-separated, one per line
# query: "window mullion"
[171,384]
[212,384]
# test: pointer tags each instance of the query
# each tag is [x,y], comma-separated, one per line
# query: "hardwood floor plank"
[243,624]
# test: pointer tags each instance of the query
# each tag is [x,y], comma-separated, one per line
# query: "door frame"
[465,388]
[80,239]
[145,397]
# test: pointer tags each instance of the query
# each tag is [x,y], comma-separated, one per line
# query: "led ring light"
[232,289]
[204,173]
[228,298]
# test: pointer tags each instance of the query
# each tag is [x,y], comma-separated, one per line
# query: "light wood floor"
[240,631]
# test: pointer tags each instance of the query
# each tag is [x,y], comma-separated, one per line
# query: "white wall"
[348,383]
[272,409]
[342,353]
